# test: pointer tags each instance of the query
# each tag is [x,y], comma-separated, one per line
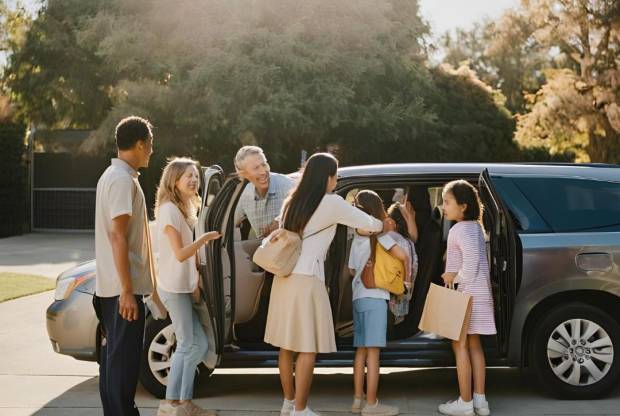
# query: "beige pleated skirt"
[300,316]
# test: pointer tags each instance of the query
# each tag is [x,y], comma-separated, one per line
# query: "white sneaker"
[306,412]
[457,408]
[482,409]
[379,410]
[192,409]
[356,407]
[288,407]
[167,409]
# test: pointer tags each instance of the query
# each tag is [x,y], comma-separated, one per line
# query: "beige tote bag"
[280,251]
[445,312]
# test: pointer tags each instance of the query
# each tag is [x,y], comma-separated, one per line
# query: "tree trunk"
[604,149]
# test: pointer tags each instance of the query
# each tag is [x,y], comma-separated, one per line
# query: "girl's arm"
[399,253]
[183,253]
[453,258]
[409,213]
[470,247]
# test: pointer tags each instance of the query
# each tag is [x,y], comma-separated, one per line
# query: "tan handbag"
[152,301]
[279,252]
[446,312]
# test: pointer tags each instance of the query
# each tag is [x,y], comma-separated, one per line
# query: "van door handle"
[594,262]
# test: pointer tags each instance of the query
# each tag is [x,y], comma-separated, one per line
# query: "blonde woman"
[176,210]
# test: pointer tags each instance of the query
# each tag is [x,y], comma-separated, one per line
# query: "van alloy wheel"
[160,353]
[580,352]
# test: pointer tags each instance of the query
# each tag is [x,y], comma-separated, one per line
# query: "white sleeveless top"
[332,210]
[174,276]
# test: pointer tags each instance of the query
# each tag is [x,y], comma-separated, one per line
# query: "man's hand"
[127,306]
[268,229]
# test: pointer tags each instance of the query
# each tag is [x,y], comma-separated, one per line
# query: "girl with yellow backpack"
[369,311]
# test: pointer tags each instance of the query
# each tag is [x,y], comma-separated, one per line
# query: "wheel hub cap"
[580,352]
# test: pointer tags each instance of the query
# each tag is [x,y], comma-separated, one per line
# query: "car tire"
[569,365]
[159,345]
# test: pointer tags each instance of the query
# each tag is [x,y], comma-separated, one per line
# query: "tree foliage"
[55,80]
[578,107]
[558,64]
[287,75]
[503,54]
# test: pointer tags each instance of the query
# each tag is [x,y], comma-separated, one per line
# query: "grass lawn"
[16,285]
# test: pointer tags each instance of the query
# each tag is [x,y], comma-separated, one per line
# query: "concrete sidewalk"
[45,254]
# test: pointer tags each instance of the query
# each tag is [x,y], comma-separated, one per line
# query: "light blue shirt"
[261,212]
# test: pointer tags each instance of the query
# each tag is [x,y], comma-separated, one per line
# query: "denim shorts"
[369,322]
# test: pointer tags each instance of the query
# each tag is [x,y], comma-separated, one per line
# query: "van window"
[525,217]
[571,204]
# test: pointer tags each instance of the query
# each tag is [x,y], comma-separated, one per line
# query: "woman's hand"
[211,235]
[389,225]
[448,278]
[196,295]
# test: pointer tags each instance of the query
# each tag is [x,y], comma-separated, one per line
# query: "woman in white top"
[176,209]
[300,316]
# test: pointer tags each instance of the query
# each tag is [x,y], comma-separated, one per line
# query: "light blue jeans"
[191,344]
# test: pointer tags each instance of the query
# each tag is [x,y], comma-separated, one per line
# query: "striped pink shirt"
[467,256]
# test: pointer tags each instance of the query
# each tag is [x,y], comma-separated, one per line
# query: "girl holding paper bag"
[467,266]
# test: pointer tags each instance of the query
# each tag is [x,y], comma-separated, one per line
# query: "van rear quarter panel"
[550,268]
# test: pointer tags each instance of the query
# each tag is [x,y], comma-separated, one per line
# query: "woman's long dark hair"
[308,194]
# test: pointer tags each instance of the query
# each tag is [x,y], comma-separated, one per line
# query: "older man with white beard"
[262,199]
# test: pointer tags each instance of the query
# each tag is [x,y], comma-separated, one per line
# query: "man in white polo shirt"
[123,274]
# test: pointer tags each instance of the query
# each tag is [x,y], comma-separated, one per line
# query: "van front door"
[503,261]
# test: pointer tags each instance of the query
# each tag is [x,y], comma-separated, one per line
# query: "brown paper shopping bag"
[445,312]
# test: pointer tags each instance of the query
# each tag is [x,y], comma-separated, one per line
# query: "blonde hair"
[168,192]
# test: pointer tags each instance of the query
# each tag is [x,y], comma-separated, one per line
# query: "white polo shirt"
[119,193]
[174,276]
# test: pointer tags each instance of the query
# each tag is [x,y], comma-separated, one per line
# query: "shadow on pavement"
[415,392]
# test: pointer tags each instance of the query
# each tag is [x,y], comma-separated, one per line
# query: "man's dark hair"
[130,130]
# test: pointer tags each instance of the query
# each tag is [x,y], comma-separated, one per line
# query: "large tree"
[557,61]
[53,80]
[503,54]
[578,107]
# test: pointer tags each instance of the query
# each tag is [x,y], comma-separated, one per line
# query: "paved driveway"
[45,254]
[35,380]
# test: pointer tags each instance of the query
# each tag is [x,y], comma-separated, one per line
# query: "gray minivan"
[553,235]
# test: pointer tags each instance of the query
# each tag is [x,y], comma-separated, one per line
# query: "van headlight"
[66,284]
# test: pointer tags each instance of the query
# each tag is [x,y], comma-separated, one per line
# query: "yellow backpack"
[383,270]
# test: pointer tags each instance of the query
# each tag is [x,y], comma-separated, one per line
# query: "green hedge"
[13,180]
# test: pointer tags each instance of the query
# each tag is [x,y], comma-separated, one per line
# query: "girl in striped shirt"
[468,267]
